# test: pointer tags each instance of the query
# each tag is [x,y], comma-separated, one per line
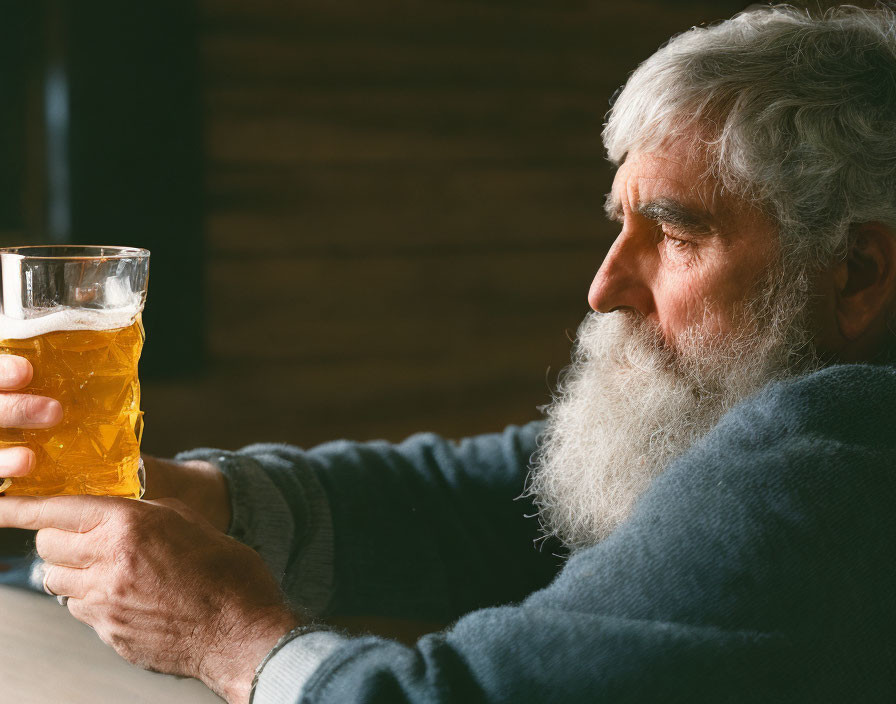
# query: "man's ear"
[866,281]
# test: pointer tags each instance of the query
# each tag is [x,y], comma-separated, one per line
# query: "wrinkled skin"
[688,251]
[159,584]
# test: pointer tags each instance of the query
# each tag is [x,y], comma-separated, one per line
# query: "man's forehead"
[667,175]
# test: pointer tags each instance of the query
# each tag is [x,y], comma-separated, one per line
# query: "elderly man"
[719,461]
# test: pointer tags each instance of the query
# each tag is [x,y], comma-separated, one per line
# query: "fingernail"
[16,461]
[49,411]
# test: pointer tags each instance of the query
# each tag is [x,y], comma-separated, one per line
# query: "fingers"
[16,461]
[65,548]
[15,372]
[80,610]
[28,411]
[79,514]
[66,581]
[23,410]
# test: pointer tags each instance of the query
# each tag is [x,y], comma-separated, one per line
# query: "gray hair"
[796,111]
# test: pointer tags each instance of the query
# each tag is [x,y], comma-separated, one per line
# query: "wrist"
[231,671]
[159,484]
[198,484]
[208,491]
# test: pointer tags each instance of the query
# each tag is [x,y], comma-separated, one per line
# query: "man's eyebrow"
[662,210]
[674,213]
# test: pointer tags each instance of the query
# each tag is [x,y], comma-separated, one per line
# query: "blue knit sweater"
[759,567]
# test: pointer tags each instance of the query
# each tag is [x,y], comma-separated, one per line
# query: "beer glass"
[75,313]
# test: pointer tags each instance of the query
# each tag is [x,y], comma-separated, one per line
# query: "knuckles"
[14,408]
[40,543]
[131,521]
[139,536]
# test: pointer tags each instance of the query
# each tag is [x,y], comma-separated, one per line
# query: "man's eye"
[673,238]
[677,243]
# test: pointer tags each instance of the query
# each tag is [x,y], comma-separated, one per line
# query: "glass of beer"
[75,313]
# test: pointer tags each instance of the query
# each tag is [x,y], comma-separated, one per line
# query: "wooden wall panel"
[403,210]
[431,208]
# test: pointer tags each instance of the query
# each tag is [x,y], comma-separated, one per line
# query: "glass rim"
[109,251]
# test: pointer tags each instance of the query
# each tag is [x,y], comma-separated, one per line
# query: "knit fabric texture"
[758,567]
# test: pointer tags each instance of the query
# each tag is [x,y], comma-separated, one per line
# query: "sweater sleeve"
[756,568]
[425,529]
[430,529]
[279,509]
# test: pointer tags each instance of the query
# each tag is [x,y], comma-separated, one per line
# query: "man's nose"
[623,280]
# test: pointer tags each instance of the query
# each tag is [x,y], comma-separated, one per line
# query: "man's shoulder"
[805,466]
[850,402]
[829,432]
[838,386]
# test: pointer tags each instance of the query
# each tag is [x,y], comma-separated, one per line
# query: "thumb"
[181,508]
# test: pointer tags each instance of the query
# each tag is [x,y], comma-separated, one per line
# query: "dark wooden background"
[403,211]
[367,218]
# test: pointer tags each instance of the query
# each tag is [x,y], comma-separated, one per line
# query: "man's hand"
[159,584]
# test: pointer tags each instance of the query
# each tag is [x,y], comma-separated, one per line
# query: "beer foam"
[66,319]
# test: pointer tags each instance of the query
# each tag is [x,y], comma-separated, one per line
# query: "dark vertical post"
[135,156]
[19,32]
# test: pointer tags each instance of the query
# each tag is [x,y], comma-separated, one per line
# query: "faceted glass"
[75,313]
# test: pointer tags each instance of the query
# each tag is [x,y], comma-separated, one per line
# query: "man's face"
[695,311]
[689,253]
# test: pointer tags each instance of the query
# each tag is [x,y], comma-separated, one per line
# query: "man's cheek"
[684,303]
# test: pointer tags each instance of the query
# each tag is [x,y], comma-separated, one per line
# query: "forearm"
[514,654]
[429,529]
[337,522]
[276,506]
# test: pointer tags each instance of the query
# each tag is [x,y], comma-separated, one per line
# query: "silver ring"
[63,600]
[46,570]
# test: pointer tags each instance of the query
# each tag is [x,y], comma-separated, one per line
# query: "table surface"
[48,657]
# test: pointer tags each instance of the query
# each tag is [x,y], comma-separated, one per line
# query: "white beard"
[628,405]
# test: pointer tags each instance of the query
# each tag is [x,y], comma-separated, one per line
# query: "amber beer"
[75,314]
[92,372]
